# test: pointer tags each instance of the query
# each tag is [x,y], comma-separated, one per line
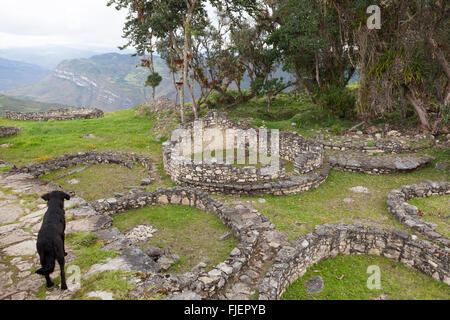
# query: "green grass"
[88,250]
[110,281]
[186,231]
[121,131]
[286,110]
[397,281]
[100,181]
[431,207]
[299,214]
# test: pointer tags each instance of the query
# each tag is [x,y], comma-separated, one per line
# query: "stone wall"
[408,215]
[328,241]
[8,131]
[248,231]
[382,145]
[90,157]
[217,177]
[381,164]
[57,114]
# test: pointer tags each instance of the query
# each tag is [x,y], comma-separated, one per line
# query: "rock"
[101,294]
[146,182]
[14,237]
[185,295]
[226,236]
[74,202]
[393,133]
[165,263]
[89,224]
[140,233]
[74,181]
[246,279]
[348,200]
[201,266]
[442,166]
[262,201]
[10,213]
[383,297]
[89,136]
[359,189]
[235,252]
[131,259]
[25,248]
[314,285]
[153,252]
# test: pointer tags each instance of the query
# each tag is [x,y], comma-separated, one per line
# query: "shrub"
[341,102]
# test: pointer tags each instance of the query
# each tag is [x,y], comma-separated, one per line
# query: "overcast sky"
[80,23]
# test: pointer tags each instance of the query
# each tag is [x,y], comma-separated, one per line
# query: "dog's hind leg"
[63,274]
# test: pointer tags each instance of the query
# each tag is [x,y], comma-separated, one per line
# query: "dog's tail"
[48,265]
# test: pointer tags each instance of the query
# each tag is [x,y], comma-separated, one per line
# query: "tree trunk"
[440,56]
[413,96]
[269,100]
[303,84]
[317,69]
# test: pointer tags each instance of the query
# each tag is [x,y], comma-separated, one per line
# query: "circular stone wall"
[248,232]
[216,131]
[328,241]
[408,215]
[57,114]
[8,131]
[90,157]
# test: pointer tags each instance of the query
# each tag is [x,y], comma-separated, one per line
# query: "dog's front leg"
[49,281]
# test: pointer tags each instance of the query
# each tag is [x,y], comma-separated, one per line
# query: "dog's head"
[59,195]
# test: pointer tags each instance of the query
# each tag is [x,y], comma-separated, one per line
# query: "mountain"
[109,82]
[13,104]
[16,74]
[47,57]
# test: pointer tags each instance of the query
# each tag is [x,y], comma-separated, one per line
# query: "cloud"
[60,22]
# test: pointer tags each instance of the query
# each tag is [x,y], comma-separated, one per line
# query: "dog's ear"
[46,197]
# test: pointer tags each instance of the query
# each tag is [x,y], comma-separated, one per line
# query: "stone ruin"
[408,215]
[8,131]
[216,176]
[89,157]
[328,241]
[63,114]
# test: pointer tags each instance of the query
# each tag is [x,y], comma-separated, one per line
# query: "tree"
[406,61]
[153,80]
[268,87]
[312,44]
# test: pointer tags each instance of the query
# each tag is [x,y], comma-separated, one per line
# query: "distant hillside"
[109,82]
[47,57]
[13,104]
[15,74]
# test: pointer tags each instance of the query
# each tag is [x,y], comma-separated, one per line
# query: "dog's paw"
[50,284]
[63,287]
[65,254]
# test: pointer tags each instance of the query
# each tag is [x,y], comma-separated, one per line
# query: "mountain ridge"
[108,81]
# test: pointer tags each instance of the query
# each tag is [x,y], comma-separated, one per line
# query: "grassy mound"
[186,231]
[346,277]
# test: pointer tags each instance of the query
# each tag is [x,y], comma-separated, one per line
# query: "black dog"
[50,241]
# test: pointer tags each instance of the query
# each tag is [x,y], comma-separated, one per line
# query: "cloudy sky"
[80,23]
